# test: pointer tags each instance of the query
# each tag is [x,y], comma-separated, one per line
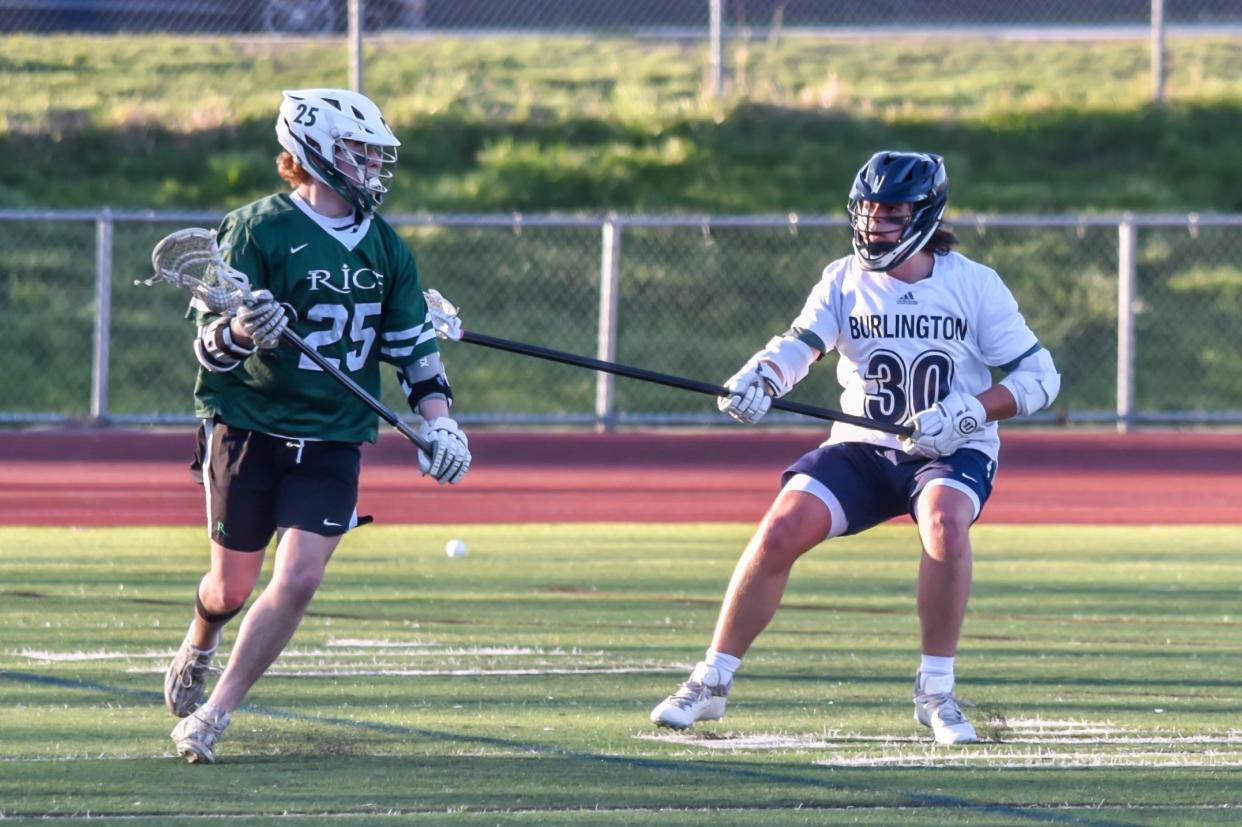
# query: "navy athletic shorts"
[256,483]
[864,485]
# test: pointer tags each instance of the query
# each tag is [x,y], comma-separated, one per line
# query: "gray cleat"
[936,707]
[195,736]
[702,698]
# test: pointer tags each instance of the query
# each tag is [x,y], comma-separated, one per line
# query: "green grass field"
[512,686]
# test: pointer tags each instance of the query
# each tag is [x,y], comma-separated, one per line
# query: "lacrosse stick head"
[443,315]
[191,259]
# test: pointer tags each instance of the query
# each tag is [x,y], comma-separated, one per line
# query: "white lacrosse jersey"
[905,346]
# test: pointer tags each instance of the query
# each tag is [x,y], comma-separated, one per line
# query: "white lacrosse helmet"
[315,124]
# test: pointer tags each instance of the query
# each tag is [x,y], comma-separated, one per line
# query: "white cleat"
[937,708]
[702,698]
[186,679]
[195,736]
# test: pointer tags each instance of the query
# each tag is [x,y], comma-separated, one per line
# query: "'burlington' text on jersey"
[878,326]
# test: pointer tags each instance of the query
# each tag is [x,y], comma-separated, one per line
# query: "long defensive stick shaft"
[357,390]
[672,381]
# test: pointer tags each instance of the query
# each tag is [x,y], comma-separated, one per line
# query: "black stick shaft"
[357,390]
[671,381]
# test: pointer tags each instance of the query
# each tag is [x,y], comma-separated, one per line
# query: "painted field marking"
[1032,742]
[361,658]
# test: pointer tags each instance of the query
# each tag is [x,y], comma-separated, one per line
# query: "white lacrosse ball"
[455,548]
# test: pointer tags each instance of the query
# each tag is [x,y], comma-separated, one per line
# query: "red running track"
[130,477]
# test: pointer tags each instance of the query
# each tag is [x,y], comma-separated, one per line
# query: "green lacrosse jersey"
[355,295]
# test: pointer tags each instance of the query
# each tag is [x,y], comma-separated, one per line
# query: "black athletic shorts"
[256,483]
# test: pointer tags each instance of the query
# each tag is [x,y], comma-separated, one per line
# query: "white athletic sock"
[936,665]
[725,664]
[190,633]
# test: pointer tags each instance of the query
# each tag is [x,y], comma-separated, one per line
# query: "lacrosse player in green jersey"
[279,445]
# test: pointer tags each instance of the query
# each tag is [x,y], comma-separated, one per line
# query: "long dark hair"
[943,240]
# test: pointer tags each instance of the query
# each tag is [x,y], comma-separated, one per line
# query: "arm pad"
[1034,383]
[215,349]
[792,359]
[423,379]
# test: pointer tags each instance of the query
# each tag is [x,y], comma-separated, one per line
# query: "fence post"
[1127,277]
[715,40]
[356,22]
[1157,52]
[606,345]
[103,315]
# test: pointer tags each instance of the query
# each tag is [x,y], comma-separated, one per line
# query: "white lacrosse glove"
[450,451]
[443,314]
[750,393]
[946,426]
[262,320]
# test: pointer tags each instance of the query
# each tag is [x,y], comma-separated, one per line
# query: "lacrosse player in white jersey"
[279,444]
[918,328]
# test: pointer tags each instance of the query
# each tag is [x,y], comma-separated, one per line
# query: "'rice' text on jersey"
[355,297]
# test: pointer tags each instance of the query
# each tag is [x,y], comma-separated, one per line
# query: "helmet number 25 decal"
[306,115]
[897,390]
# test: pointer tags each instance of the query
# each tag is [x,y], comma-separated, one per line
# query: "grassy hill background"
[576,124]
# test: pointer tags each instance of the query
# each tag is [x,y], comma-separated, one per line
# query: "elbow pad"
[792,359]
[423,379]
[215,349]
[1034,383]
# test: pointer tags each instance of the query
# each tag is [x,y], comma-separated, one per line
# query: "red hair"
[289,169]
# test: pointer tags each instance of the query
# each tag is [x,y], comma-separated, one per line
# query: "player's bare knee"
[235,596]
[224,594]
[946,533]
[782,540]
[299,587]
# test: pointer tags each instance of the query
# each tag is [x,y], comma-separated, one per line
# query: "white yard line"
[364,643]
[1017,760]
[327,654]
[582,670]
[362,658]
[1026,743]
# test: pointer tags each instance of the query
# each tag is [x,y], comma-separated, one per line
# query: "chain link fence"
[692,297]
[717,23]
[650,17]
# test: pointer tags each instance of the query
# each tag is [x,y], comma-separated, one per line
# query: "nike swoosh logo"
[293,250]
[331,524]
[967,476]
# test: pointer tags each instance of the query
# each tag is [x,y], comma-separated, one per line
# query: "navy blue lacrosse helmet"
[915,178]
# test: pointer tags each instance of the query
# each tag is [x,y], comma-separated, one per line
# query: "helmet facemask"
[366,169]
[888,178]
[883,254]
[359,174]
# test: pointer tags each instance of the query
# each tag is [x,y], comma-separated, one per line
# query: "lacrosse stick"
[448,326]
[191,259]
